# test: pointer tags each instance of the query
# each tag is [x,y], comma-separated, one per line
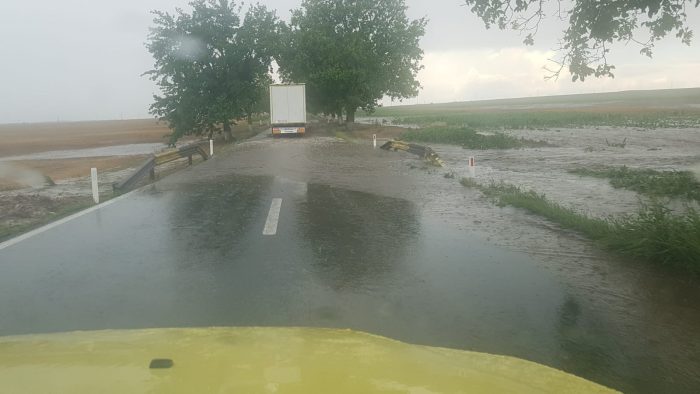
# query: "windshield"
[512,178]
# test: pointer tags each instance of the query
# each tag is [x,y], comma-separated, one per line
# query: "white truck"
[288,109]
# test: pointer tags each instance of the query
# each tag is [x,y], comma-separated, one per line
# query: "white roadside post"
[211,148]
[472,167]
[374,140]
[95,191]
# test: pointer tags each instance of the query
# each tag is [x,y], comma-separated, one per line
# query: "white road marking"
[25,236]
[273,217]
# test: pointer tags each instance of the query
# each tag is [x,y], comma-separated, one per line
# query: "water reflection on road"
[358,240]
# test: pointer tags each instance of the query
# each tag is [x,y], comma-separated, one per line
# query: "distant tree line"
[214,64]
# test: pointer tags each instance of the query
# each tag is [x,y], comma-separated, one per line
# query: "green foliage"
[468,138]
[210,66]
[593,27]
[351,53]
[649,182]
[470,182]
[657,235]
[653,234]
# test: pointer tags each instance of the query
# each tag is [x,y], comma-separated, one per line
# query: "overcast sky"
[83,59]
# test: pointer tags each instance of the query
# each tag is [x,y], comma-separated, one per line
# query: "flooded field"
[545,170]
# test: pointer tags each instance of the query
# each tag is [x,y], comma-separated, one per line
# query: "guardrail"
[149,167]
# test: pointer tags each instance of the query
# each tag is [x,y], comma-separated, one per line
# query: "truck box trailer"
[288,109]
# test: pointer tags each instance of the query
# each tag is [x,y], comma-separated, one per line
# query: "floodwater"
[384,120]
[364,241]
[115,150]
[545,170]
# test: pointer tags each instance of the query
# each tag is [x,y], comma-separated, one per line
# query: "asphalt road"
[303,233]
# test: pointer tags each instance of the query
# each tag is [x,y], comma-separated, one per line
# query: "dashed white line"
[273,217]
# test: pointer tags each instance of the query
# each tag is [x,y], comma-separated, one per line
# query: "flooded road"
[362,241]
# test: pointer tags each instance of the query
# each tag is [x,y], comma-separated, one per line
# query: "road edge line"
[46,227]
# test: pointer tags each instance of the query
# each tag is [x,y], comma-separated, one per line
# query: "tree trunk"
[350,115]
[228,135]
[338,115]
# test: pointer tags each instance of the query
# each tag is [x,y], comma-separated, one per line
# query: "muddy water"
[545,169]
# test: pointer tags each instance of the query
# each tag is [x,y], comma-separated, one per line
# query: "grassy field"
[680,184]
[645,109]
[469,138]
[653,234]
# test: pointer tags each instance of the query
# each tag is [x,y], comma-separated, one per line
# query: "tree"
[210,66]
[594,25]
[352,53]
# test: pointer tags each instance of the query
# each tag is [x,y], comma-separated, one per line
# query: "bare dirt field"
[23,138]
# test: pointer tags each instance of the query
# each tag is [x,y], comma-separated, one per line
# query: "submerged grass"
[505,194]
[653,234]
[681,184]
[469,138]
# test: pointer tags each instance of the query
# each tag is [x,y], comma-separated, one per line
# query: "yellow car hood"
[261,360]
